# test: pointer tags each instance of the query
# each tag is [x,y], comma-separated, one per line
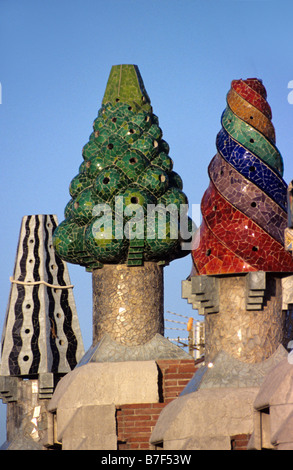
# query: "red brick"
[172,376]
[127,418]
[128,423]
[142,434]
[142,422]
[125,412]
[141,431]
[142,417]
[241,436]
[173,389]
[133,446]
[185,361]
[158,405]
[153,422]
[187,368]
[135,422]
[172,368]
[186,375]
[240,441]
[166,362]
[168,399]
[123,446]
[143,411]
[139,439]
[170,381]
[144,446]
[183,382]
[135,405]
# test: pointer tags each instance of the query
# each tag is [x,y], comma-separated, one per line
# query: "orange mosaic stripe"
[252,96]
[251,115]
[244,213]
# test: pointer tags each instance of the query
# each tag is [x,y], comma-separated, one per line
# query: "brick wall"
[239,441]
[175,377]
[136,422]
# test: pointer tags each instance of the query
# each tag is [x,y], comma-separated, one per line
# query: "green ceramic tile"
[252,140]
[125,158]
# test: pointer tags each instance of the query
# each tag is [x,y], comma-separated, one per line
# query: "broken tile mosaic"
[125,156]
[244,208]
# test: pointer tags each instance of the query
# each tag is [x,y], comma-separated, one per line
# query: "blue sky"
[56,57]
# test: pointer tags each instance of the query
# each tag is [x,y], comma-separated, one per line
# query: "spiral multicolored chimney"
[245,206]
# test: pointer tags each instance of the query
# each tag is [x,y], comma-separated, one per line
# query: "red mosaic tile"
[231,242]
[252,96]
[244,216]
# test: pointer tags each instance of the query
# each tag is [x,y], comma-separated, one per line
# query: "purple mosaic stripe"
[248,198]
[253,168]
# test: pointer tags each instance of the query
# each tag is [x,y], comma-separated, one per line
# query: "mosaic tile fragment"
[253,168]
[250,115]
[41,333]
[244,208]
[125,157]
[248,198]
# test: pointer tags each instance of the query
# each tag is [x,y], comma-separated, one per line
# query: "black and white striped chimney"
[41,332]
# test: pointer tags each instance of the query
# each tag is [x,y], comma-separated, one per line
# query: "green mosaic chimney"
[126,166]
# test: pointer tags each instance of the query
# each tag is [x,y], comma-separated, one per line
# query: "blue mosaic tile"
[253,168]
